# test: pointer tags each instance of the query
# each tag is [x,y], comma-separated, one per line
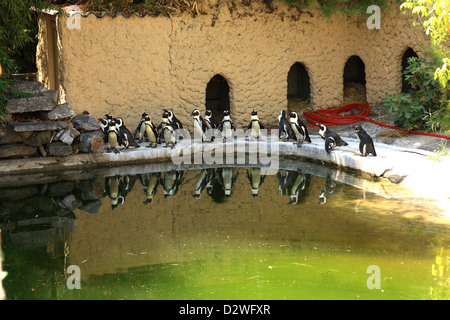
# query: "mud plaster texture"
[128,65]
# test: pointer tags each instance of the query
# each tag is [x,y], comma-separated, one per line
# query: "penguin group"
[207,128]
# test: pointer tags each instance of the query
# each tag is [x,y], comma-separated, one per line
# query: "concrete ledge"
[412,168]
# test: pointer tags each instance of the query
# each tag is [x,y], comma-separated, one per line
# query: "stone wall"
[127,65]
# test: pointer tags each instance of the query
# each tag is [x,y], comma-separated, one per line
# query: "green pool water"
[299,236]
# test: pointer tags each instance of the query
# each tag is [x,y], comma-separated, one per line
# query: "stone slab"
[42,102]
[16,151]
[61,111]
[37,126]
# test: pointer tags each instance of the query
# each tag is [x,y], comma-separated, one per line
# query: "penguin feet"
[299,143]
[152,145]
[116,151]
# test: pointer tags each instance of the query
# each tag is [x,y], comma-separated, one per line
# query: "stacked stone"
[45,127]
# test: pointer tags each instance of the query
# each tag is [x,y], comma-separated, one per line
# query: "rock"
[9,136]
[43,102]
[91,206]
[37,126]
[38,138]
[85,122]
[16,151]
[67,135]
[61,111]
[61,188]
[91,142]
[69,202]
[59,149]
[92,189]
[33,87]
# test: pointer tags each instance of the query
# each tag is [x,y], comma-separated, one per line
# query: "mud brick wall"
[127,65]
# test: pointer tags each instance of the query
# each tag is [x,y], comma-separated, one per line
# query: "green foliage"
[346,7]
[434,16]
[422,107]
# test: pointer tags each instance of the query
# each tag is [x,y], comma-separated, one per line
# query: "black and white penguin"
[212,125]
[104,128]
[332,139]
[150,132]
[299,129]
[256,179]
[150,183]
[174,120]
[127,137]
[160,128]
[108,117]
[284,127]
[169,135]
[366,146]
[227,127]
[139,133]
[200,183]
[112,190]
[255,125]
[113,137]
[210,121]
[200,125]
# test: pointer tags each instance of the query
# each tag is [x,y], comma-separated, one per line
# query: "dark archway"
[409,53]
[354,80]
[217,96]
[298,88]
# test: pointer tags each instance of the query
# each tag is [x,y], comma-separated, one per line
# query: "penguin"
[104,128]
[175,122]
[108,117]
[171,182]
[256,180]
[200,125]
[211,123]
[298,128]
[150,183]
[127,137]
[169,135]
[113,137]
[328,190]
[227,127]
[139,133]
[284,127]
[332,139]
[150,132]
[160,128]
[255,125]
[366,146]
[200,184]
[227,180]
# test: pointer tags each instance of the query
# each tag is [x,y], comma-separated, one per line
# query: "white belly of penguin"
[198,131]
[297,133]
[227,132]
[254,133]
[150,134]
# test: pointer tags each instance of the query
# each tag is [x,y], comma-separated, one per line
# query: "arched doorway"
[217,96]
[354,81]
[409,53]
[298,88]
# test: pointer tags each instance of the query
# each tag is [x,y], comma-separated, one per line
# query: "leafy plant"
[419,108]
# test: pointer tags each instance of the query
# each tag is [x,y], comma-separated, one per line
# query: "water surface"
[187,234]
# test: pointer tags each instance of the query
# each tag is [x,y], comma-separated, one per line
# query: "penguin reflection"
[200,184]
[117,188]
[227,179]
[298,188]
[285,180]
[150,183]
[171,182]
[256,180]
[328,190]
